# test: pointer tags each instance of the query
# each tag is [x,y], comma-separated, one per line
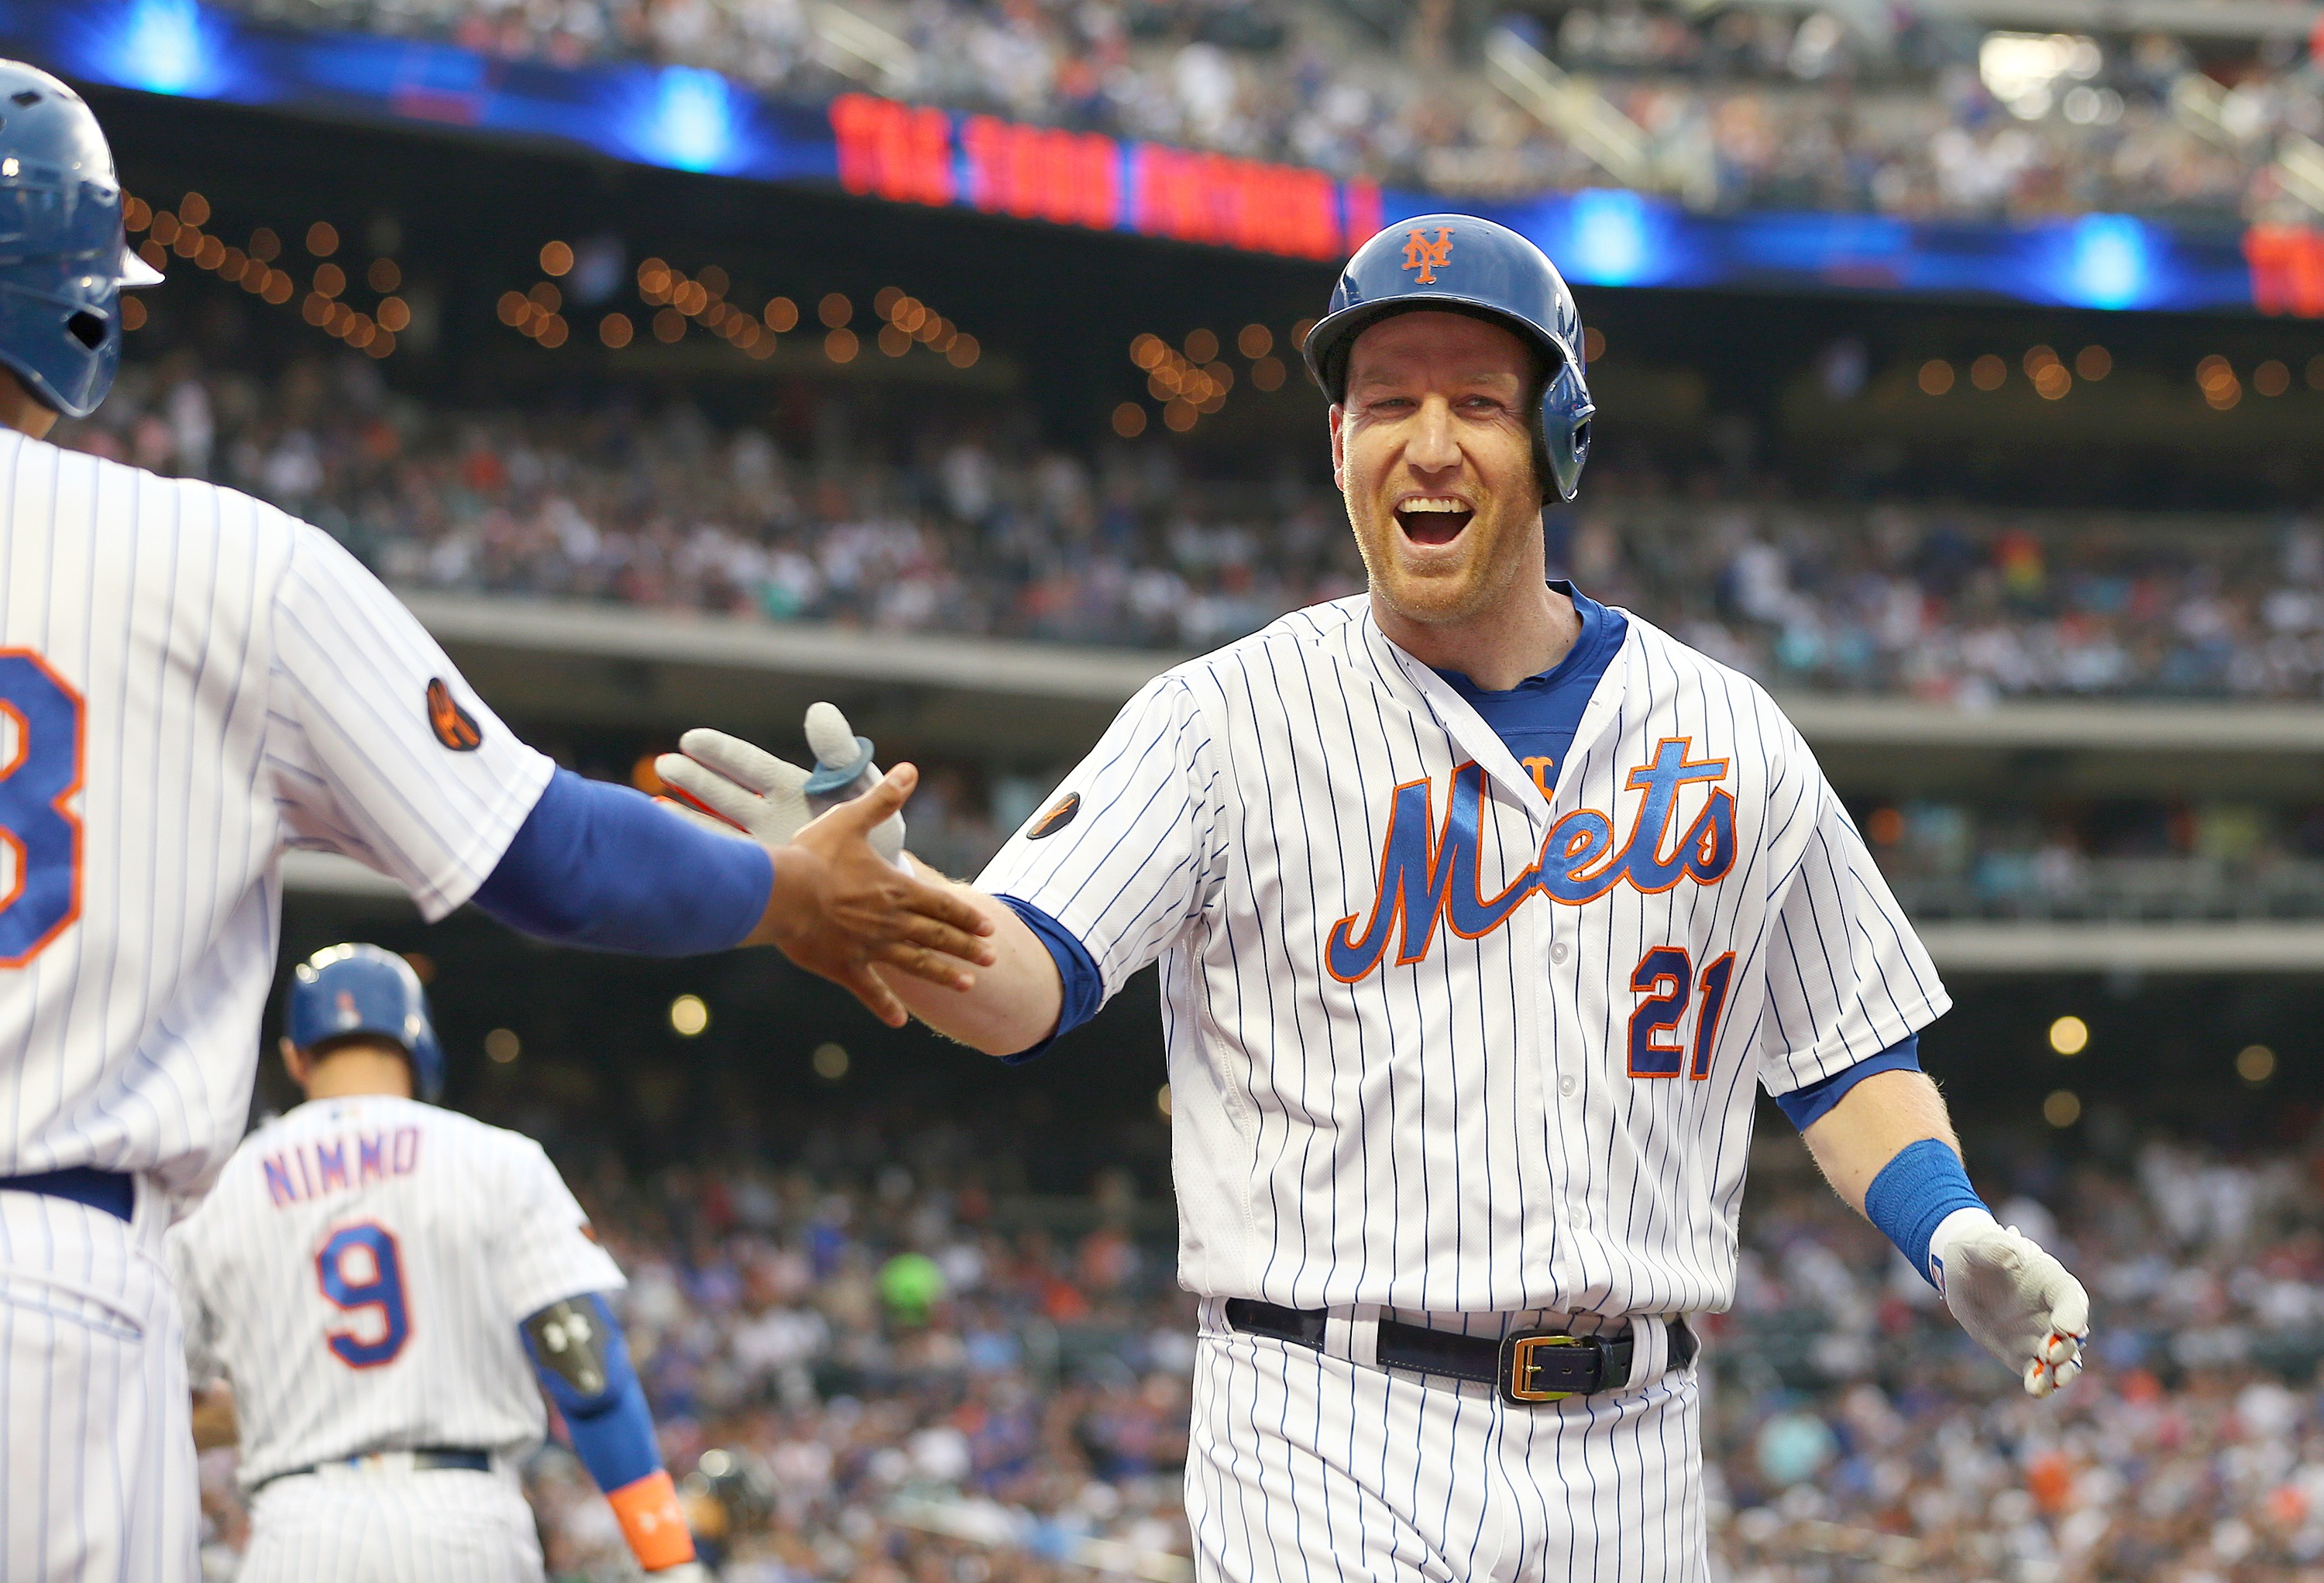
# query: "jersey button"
[1559,951]
[1565,1086]
[1579,1216]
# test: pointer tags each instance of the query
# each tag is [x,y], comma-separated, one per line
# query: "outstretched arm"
[583,1361]
[1014,1003]
[601,866]
[1887,1147]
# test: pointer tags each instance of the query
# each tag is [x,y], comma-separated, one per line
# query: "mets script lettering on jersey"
[1426,877]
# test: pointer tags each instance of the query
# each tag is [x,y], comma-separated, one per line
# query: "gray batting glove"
[752,790]
[740,786]
[2018,1302]
[685,1572]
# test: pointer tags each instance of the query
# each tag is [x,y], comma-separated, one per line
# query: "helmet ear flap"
[1566,415]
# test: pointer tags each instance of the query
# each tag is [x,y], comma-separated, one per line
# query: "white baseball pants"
[97,1482]
[1304,1467]
[365,1526]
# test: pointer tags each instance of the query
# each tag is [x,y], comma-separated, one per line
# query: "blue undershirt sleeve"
[1085,986]
[1808,1103]
[599,865]
[612,1430]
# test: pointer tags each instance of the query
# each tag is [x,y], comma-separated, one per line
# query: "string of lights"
[2052,380]
[680,302]
[1191,381]
[257,270]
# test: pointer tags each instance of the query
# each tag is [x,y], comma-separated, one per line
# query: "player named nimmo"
[1482,909]
[371,1293]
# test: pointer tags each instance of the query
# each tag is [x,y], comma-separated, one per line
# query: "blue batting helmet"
[62,260]
[1459,263]
[347,990]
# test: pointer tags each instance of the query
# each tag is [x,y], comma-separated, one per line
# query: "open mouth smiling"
[1433,518]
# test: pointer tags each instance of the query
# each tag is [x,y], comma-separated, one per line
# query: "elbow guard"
[583,1361]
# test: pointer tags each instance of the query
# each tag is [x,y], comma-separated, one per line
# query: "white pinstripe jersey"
[1435,1042]
[358,1275]
[190,682]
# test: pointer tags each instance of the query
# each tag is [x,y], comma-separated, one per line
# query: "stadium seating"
[1903,113]
[957,531]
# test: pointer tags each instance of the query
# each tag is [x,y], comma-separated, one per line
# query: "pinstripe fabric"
[97,1456]
[1303,1467]
[1455,1127]
[240,686]
[443,1526]
[245,686]
[485,1234]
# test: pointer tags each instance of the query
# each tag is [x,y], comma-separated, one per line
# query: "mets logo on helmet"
[1427,257]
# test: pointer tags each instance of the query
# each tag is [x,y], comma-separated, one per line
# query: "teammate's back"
[359,1273]
[192,682]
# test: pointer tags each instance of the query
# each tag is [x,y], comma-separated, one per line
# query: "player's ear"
[295,1063]
[1339,447]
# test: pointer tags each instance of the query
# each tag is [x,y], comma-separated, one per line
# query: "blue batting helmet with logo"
[344,991]
[62,260]
[1459,263]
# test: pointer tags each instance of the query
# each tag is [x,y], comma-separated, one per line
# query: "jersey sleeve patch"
[1059,814]
[454,726]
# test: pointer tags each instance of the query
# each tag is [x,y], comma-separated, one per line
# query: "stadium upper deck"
[1740,146]
[1917,113]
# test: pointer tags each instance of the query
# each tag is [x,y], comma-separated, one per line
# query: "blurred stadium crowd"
[881,1371]
[1851,107]
[959,526]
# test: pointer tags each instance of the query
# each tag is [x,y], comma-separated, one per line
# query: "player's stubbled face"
[1434,450]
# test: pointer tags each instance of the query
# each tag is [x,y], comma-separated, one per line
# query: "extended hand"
[838,907]
[2018,1302]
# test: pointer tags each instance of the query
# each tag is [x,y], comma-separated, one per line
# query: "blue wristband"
[1913,1193]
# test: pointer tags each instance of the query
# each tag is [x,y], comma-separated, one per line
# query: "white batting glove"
[746,787]
[2018,1302]
[685,1571]
[752,790]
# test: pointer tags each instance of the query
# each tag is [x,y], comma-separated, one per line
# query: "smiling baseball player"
[1481,908]
[192,683]
[379,1282]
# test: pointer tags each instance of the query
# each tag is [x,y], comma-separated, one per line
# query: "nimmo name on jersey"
[308,1171]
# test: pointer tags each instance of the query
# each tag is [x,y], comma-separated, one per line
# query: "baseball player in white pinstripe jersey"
[1482,909]
[190,684]
[377,1282]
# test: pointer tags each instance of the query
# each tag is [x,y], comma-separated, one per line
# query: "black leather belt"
[1527,1366]
[114,1191]
[424,1459]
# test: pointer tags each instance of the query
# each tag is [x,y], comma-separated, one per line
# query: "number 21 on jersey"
[40,837]
[1665,976]
[361,1272]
